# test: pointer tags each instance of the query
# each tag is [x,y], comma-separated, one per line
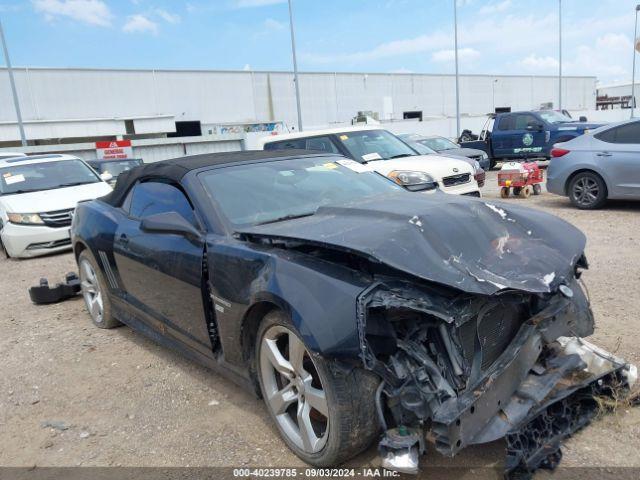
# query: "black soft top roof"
[176,168]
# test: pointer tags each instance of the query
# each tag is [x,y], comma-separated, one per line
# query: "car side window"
[608,136]
[323,144]
[286,145]
[629,133]
[506,123]
[522,121]
[151,198]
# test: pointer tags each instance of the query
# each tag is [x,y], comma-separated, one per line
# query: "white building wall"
[149,150]
[243,97]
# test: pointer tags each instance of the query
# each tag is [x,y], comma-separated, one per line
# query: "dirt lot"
[116,398]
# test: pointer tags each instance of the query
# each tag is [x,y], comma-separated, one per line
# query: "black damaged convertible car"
[357,309]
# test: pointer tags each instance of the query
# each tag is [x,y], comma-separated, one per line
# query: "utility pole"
[560,55]
[295,67]
[633,74]
[16,102]
[455,27]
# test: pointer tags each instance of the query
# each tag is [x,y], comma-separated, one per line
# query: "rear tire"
[345,422]
[537,189]
[95,292]
[525,191]
[504,192]
[587,191]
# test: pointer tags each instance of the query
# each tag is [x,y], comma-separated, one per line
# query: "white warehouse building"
[62,106]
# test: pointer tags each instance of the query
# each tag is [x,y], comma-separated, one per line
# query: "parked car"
[592,168]
[446,147]
[382,151]
[114,167]
[38,195]
[354,306]
[411,139]
[5,155]
[529,134]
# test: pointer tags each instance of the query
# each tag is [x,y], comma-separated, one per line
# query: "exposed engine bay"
[464,369]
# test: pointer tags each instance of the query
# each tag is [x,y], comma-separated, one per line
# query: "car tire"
[342,426]
[587,191]
[95,292]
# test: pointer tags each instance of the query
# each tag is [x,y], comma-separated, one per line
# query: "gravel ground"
[71,394]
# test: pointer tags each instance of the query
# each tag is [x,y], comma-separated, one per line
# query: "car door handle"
[123,240]
[604,154]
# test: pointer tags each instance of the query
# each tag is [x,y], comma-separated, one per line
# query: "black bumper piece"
[536,443]
[42,294]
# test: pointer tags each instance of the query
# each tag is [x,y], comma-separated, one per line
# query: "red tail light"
[559,152]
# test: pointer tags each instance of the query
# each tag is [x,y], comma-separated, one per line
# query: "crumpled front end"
[465,369]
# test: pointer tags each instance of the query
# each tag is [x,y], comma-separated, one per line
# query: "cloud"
[256,3]
[540,64]
[607,58]
[140,24]
[420,44]
[450,55]
[495,7]
[91,12]
[167,16]
[271,24]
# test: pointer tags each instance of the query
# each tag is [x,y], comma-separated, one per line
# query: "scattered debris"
[55,424]
[43,294]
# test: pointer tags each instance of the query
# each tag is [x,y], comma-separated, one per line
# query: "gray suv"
[603,164]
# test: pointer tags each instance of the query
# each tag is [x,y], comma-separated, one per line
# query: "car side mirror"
[106,176]
[583,119]
[169,222]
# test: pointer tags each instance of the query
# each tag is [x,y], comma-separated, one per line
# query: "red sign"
[116,150]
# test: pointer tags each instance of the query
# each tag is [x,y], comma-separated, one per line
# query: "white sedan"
[38,196]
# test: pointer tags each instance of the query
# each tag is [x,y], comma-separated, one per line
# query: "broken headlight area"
[469,369]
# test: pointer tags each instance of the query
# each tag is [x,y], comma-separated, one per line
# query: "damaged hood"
[475,245]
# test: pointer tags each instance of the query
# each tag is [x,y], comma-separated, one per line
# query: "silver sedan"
[603,164]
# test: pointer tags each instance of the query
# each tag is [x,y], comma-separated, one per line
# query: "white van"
[38,196]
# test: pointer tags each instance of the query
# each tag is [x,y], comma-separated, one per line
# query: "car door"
[162,272]
[527,137]
[501,136]
[617,151]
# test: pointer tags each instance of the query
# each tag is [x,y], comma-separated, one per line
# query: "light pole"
[16,103]
[455,28]
[633,74]
[560,55]
[493,90]
[295,67]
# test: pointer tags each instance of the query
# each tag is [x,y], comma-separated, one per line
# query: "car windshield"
[276,191]
[116,167]
[368,145]
[21,178]
[439,144]
[551,116]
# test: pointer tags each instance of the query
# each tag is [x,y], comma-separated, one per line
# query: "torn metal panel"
[478,368]
[471,245]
